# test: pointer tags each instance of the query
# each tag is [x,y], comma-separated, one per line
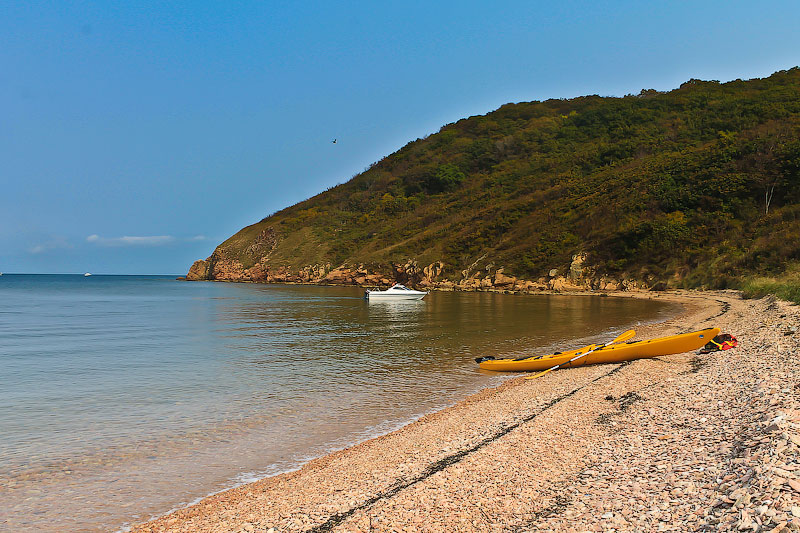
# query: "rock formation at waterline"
[411,273]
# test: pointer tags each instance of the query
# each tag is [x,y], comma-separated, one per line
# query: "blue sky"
[136,136]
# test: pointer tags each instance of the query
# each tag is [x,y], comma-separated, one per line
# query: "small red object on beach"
[723,341]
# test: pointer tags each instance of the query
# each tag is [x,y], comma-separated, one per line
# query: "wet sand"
[676,443]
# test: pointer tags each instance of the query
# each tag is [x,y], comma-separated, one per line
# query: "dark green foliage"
[446,178]
[695,186]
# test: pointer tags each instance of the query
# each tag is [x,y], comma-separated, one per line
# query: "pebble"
[711,446]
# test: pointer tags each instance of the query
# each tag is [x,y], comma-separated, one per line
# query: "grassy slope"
[661,185]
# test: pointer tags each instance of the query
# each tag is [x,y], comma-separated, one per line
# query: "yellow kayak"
[615,353]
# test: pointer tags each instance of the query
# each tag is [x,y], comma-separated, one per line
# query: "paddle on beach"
[623,337]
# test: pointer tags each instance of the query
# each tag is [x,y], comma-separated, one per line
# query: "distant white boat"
[395,292]
[87,274]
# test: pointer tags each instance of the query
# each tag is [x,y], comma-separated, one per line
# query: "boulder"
[432,271]
[199,271]
[629,285]
[501,281]
[258,272]
[609,284]
[563,284]
[469,284]
[339,276]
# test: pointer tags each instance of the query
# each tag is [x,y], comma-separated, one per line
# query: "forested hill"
[695,186]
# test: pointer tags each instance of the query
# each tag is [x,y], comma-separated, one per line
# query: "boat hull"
[379,296]
[616,353]
[395,292]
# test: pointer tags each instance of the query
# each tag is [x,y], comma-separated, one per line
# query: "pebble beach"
[685,442]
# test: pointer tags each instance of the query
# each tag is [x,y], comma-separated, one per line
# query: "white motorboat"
[87,274]
[395,292]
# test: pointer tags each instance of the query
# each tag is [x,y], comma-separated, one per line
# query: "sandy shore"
[677,443]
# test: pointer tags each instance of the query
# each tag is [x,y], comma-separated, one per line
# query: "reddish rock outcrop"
[579,276]
[199,271]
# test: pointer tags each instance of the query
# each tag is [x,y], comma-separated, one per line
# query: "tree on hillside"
[762,159]
[447,177]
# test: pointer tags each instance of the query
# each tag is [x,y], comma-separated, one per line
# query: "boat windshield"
[401,287]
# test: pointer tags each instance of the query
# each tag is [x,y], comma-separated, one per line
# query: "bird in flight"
[334,141]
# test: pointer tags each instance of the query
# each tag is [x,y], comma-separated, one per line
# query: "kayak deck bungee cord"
[615,353]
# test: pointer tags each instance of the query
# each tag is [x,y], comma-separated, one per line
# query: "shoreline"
[506,457]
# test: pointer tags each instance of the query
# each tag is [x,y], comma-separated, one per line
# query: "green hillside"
[695,186]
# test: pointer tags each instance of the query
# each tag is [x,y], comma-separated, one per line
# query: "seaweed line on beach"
[724,305]
[452,459]
[560,502]
[697,363]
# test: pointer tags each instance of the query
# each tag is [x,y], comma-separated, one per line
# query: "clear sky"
[136,136]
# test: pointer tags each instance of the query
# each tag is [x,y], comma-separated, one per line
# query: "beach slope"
[678,443]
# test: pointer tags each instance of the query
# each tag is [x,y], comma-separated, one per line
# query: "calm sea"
[122,397]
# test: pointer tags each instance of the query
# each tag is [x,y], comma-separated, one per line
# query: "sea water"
[122,397]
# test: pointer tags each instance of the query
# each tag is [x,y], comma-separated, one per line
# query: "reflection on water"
[124,397]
